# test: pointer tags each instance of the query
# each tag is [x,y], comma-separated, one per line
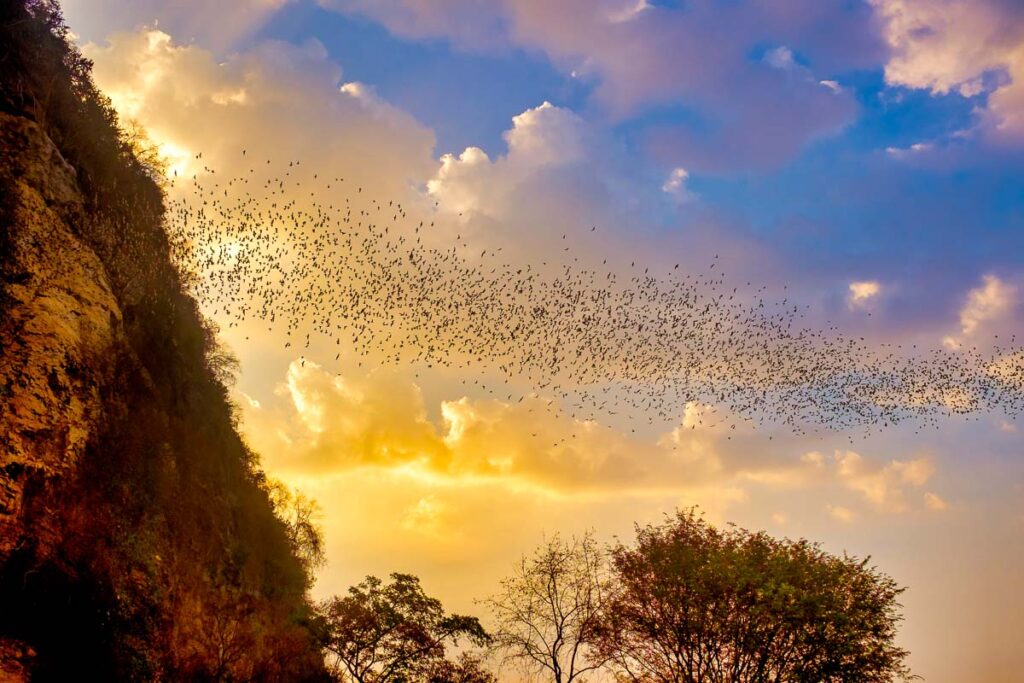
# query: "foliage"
[394,633]
[695,603]
[548,611]
[466,669]
[299,514]
[170,561]
[45,76]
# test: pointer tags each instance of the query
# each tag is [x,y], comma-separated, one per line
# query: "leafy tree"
[467,669]
[694,603]
[300,515]
[394,633]
[548,611]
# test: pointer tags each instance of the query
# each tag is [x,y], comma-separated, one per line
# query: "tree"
[694,603]
[467,669]
[394,633]
[548,611]
[299,514]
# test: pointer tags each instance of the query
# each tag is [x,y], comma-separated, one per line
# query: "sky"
[866,156]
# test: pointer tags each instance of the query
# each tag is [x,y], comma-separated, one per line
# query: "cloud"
[984,307]
[629,12]
[560,175]
[638,55]
[428,516]
[991,301]
[781,58]
[840,513]
[912,150]
[882,485]
[330,424]
[969,47]
[214,25]
[862,293]
[934,503]
[563,175]
[545,137]
[675,185]
[281,101]
[334,424]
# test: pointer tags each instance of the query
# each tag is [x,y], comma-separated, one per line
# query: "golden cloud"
[330,425]
[281,101]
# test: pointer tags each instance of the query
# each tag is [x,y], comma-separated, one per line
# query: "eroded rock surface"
[60,328]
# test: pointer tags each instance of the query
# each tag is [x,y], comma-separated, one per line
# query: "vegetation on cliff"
[140,541]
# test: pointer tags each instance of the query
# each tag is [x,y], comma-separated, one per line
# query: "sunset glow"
[859,161]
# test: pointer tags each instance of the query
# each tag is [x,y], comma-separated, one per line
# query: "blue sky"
[838,203]
[467,98]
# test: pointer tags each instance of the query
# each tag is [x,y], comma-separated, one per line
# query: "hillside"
[138,540]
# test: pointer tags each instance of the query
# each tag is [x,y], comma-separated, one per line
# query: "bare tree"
[548,612]
[300,516]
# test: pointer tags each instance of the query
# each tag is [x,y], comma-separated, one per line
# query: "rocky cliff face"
[60,334]
[137,536]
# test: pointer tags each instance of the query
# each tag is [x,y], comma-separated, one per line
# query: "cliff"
[138,540]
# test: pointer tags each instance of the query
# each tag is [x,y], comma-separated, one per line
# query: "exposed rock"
[60,327]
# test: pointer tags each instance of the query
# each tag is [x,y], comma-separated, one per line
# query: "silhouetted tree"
[394,633]
[467,669]
[299,514]
[548,610]
[694,603]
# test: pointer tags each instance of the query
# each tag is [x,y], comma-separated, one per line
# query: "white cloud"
[966,46]
[630,11]
[1009,369]
[912,150]
[984,307]
[543,137]
[814,458]
[781,58]
[675,185]
[637,54]
[934,503]
[989,302]
[862,293]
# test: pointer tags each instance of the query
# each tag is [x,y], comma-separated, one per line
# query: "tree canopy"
[685,602]
[695,603]
[395,633]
